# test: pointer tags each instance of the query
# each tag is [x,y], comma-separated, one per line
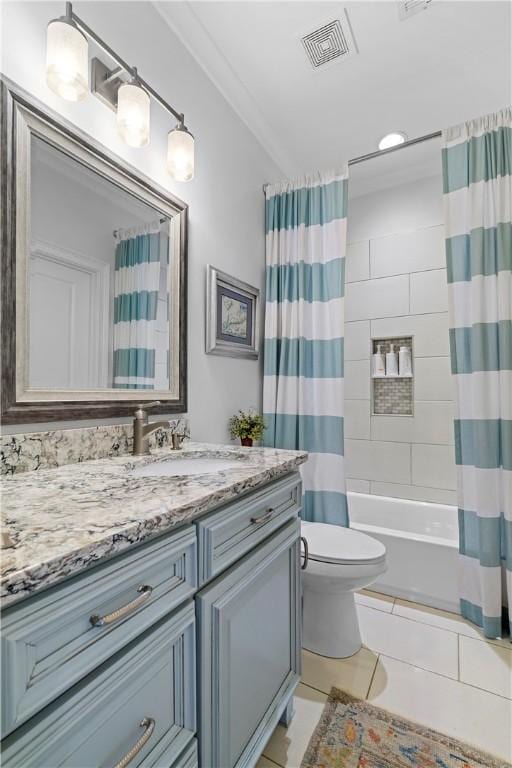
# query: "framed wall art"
[232,316]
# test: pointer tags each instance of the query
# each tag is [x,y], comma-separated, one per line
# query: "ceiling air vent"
[407,8]
[329,43]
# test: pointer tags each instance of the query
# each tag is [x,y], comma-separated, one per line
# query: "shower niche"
[392,389]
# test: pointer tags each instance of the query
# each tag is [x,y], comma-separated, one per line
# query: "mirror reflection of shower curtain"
[136,287]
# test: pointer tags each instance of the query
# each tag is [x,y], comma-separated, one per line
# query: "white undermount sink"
[182,467]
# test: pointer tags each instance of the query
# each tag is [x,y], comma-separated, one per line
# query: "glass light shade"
[392,140]
[133,109]
[180,154]
[67,61]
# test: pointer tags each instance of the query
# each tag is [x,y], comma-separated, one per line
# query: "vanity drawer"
[142,700]
[226,535]
[54,639]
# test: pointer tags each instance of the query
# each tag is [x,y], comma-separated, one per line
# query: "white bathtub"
[422,547]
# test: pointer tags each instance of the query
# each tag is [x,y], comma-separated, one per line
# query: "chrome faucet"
[176,439]
[142,429]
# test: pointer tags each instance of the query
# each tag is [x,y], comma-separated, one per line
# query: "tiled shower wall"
[396,286]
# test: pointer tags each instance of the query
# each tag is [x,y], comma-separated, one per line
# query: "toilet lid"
[334,544]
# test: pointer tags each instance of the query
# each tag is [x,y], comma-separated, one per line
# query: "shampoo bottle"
[379,364]
[391,362]
[404,361]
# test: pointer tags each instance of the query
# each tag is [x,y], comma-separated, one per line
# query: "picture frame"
[232,316]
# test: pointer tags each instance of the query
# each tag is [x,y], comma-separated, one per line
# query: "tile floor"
[426,665]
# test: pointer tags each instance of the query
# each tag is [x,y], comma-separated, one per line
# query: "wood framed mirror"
[94,276]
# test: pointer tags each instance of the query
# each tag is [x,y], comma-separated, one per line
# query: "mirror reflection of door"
[99,281]
[69,336]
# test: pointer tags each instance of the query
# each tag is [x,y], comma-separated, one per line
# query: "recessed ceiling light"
[392,140]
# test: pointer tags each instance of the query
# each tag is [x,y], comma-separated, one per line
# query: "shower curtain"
[477,168]
[303,369]
[136,285]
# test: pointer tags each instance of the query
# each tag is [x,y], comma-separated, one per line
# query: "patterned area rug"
[354,734]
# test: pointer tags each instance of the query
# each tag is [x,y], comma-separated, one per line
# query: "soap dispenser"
[391,362]
[379,364]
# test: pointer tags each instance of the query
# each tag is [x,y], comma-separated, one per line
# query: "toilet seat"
[342,546]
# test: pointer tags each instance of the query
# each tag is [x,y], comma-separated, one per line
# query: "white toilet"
[339,561]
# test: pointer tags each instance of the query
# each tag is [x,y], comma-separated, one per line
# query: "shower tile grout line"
[398,274]
[396,232]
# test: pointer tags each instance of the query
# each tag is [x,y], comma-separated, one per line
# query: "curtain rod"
[380,152]
[160,221]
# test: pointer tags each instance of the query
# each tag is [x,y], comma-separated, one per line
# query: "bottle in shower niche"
[379,363]
[404,362]
[391,362]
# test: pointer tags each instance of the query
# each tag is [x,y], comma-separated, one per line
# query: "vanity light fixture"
[67,58]
[392,139]
[133,110]
[180,153]
[67,76]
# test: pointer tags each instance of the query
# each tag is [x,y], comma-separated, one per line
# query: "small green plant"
[247,425]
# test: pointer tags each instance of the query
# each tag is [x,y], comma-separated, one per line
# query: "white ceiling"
[447,64]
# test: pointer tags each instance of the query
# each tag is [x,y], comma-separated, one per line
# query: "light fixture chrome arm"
[132,71]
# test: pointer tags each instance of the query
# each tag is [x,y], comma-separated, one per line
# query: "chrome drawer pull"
[263,518]
[149,724]
[306,553]
[109,618]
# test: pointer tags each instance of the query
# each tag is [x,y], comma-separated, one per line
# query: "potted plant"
[247,425]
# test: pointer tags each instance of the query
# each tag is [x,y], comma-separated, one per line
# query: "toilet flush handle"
[306,553]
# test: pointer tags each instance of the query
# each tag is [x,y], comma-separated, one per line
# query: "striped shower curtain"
[303,369]
[477,168]
[136,285]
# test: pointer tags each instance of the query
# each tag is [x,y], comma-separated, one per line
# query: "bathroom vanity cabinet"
[249,650]
[179,652]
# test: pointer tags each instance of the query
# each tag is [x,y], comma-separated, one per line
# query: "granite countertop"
[61,521]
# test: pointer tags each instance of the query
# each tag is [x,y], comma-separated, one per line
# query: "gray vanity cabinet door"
[249,650]
[140,703]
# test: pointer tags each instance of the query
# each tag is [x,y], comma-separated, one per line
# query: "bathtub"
[421,540]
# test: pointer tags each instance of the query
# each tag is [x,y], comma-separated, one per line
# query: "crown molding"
[185,23]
